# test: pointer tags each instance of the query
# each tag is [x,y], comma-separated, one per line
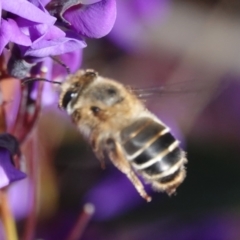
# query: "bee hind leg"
[97,146]
[118,159]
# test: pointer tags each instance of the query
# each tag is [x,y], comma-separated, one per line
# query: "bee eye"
[69,95]
[95,110]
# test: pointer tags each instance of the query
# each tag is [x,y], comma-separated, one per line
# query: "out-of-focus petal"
[27,10]
[133,18]
[8,172]
[2,232]
[113,202]
[10,32]
[20,206]
[49,94]
[4,180]
[11,91]
[94,20]
[45,48]
[0,9]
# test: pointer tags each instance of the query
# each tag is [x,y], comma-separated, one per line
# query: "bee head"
[73,87]
[93,100]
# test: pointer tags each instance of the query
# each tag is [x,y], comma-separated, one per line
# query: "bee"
[116,124]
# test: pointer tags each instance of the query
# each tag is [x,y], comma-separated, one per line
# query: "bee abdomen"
[152,150]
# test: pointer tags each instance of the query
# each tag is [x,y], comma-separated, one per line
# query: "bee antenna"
[32,79]
[57,60]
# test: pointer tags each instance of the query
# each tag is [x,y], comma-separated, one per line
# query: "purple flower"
[8,172]
[33,29]
[91,20]
[10,30]
[37,34]
[30,10]
[53,42]
[35,39]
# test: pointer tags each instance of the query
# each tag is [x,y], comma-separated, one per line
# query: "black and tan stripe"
[150,147]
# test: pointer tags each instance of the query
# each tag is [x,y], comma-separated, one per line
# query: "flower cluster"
[32,31]
[43,28]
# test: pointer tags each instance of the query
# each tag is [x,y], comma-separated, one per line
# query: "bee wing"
[180,102]
[176,88]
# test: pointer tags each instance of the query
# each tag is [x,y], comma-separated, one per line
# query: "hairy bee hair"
[116,122]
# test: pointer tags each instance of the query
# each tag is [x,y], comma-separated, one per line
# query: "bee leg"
[97,147]
[100,157]
[117,157]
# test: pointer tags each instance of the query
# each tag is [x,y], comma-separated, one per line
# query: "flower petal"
[27,10]
[89,1]
[1,9]
[57,8]
[10,32]
[54,32]
[21,206]
[38,31]
[8,172]
[94,20]
[45,48]
[45,2]
[4,180]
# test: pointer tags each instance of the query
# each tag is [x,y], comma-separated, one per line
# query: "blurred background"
[192,46]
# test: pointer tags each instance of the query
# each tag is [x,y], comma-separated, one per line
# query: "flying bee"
[117,124]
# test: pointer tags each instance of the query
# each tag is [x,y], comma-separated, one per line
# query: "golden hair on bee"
[116,122]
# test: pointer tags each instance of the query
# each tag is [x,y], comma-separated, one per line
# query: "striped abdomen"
[155,153]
